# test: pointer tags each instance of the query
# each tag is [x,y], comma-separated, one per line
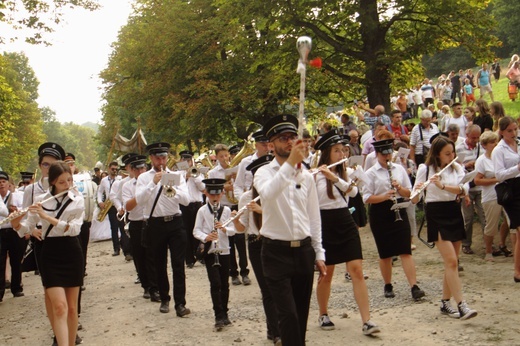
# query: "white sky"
[68,70]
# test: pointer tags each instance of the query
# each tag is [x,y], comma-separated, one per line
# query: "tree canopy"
[205,71]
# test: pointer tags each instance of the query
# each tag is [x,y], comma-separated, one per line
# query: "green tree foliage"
[507,15]
[19,115]
[448,60]
[204,71]
[39,16]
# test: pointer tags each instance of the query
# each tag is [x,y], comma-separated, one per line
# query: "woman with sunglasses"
[61,259]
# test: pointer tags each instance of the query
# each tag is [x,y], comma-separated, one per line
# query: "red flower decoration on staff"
[316,63]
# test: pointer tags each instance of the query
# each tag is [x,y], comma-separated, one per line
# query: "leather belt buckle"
[168,218]
[295,243]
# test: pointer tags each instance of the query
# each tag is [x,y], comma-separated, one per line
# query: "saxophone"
[103,213]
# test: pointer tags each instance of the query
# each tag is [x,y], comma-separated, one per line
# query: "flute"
[426,183]
[24,211]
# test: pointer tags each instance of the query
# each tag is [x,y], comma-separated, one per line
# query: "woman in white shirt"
[486,178]
[61,265]
[506,160]
[444,218]
[340,235]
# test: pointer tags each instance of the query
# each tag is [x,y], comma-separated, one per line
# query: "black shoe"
[503,249]
[236,281]
[18,294]
[137,280]
[182,311]
[165,307]
[116,253]
[246,280]
[417,293]
[155,297]
[219,325]
[227,322]
[128,258]
[277,341]
[190,265]
[389,291]
[36,272]
[78,340]
[146,294]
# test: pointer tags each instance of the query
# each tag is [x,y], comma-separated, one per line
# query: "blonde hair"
[487,137]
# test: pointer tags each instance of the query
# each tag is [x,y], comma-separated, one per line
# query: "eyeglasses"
[286,138]
[114,169]
[45,164]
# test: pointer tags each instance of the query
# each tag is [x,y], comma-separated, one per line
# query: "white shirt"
[28,224]
[195,188]
[247,219]
[339,202]
[484,166]
[136,214]
[204,225]
[451,176]
[220,173]
[470,155]
[146,192]
[116,193]
[34,190]
[289,213]
[105,186]
[244,178]
[4,212]
[379,180]
[370,160]
[505,161]
[461,121]
[415,137]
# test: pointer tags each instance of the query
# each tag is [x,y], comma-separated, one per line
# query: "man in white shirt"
[420,137]
[469,151]
[291,228]
[103,195]
[165,227]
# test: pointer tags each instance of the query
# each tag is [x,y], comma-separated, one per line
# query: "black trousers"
[169,235]
[189,214]
[143,259]
[116,227]
[12,244]
[84,237]
[238,241]
[289,273]
[271,314]
[219,284]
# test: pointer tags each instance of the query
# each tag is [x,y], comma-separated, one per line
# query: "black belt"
[6,229]
[252,238]
[165,219]
[287,243]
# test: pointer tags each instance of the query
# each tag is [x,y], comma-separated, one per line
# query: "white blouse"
[379,180]
[505,161]
[339,202]
[451,176]
[74,225]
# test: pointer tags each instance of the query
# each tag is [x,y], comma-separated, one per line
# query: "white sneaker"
[326,323]
[370,328]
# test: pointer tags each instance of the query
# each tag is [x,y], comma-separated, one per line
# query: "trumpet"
[22,212]
[394,199]
[193,171]
[168,190]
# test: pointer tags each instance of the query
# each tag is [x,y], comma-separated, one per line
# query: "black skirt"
[445,218]
[393,238]
[61,262]
[339,236]
[360,214]
[513,208]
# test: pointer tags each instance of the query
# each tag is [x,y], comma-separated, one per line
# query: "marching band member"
[309,156]
[208,229]
[291,228]
[444,218]
[386,185]
[142,256]
[10,242]
[506,160]
[116,196]
[103,196]
[189,212]
[165,227]
[340,236]
[251,222]
[237,241]
[61,259]
[27,179]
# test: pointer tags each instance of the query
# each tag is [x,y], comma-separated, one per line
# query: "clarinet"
[215,242]
[394,199]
